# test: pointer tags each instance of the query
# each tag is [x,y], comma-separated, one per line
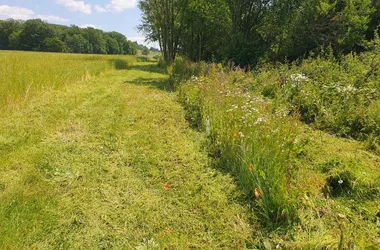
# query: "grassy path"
[111,163]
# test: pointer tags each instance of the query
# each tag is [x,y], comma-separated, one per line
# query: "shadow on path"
[151,67]
[162,83]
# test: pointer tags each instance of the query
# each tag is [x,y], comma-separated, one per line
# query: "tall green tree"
[95,37]
[78,44]
[112,45]
[163,21]
[34,33]
[206,30]
[54,45]
[7,28]
[374,24]
[247,44]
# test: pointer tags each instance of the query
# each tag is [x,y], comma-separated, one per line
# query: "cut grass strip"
[111,163]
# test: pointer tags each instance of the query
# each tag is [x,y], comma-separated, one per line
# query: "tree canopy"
[37,35]
[251,31]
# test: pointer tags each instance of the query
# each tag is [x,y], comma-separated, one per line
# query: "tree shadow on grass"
[162,84]
[119,64]
[153,68]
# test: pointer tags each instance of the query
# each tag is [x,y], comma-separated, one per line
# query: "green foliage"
[205,24]
[95,37]
[112,45]
[163,21]
[78,44]
[34,34]
[249,32]
[145,51]
[7,28]
[339,97]
[54,45]
[130,48]
[37,35]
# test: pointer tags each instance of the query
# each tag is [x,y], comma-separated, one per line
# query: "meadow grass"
[111,163]
[24,74]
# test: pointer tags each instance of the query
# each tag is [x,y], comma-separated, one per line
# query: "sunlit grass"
[111,163]
[23,74]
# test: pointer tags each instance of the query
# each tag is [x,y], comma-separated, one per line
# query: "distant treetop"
[37,35]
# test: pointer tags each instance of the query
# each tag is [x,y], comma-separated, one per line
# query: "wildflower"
[258,194]
[194,78]
[299,77]
[260,120]
[340,181]
[251,167]
[167,186]
[235,134]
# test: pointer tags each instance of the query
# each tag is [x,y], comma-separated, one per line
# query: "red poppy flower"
[167,186]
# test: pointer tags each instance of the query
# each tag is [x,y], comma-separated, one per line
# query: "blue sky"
[109,15]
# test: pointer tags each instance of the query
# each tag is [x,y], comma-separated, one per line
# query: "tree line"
[248,32]
[37,35]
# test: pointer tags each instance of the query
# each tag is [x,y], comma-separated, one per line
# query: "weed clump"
[251,137]
[340,183]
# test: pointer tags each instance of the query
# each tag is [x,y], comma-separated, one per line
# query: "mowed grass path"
[111,163]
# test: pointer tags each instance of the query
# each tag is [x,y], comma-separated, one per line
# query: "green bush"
[340,97]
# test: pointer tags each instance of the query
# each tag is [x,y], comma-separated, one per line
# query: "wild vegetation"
[307,189]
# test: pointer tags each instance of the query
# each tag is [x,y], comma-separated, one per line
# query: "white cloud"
[117,6]
[141,40]
[100,9]
[15,12]
[88,25]
[121,5]
[74,6]
[138,39]
[20,13]
[50,18]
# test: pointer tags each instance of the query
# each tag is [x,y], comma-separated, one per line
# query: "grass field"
[110,163]
[23,74]
[105,158]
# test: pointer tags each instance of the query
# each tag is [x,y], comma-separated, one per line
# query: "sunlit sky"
[109,15]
